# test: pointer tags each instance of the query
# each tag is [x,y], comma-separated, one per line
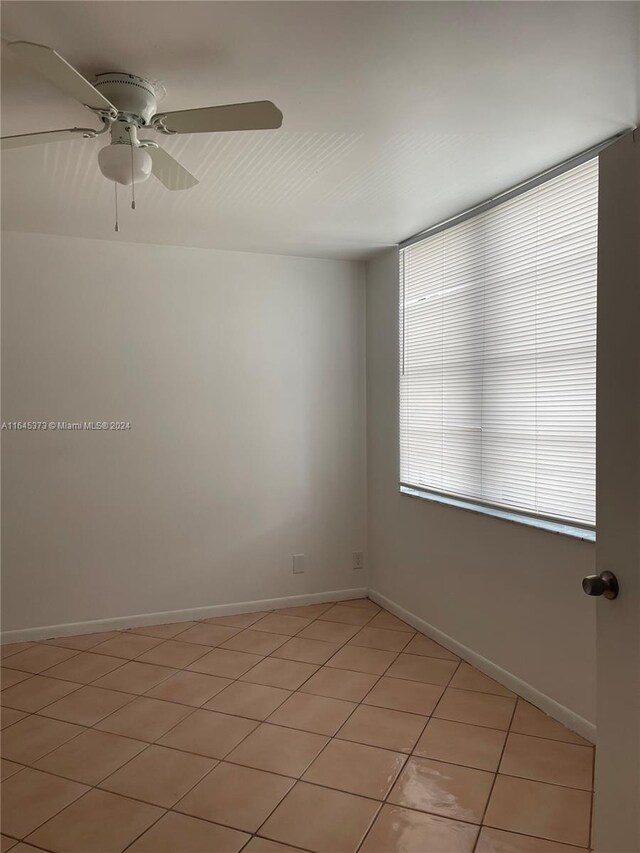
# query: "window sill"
[530,520]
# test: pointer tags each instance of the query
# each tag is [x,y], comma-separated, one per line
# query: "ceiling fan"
[126,103]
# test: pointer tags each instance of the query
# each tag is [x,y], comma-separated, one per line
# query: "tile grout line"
[92,728]
[495,775]
[330,738]
[193,710]
[385,800]
[94,787]
[80,685]
[359,704]
[294,779]
[145,694]
[232,681]
[347,642]
[176,670]
[259,723]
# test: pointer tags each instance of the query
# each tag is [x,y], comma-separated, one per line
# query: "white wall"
[509,592]
[243,377]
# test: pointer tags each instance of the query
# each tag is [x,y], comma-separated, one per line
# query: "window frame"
[580,530]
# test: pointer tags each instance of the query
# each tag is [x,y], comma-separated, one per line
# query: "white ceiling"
[397,115]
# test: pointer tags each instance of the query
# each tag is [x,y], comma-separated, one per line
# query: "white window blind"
[498,353]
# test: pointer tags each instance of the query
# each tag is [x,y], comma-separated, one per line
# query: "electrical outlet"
[298,564]
[357,560]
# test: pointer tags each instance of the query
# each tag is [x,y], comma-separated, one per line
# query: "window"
[498,354]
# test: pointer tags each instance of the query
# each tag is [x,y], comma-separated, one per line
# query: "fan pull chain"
[116,188]
[133,182]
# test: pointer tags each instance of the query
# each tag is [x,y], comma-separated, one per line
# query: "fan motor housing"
[134,97]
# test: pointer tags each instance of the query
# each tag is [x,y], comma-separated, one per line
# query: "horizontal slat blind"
[498,353]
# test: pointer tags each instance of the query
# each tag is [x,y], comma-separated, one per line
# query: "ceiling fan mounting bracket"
[135,98]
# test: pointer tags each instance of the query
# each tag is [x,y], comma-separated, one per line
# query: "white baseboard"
[70,629]
[554,709]
[559,712]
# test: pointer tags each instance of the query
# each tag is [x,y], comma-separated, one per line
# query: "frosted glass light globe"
[115,163]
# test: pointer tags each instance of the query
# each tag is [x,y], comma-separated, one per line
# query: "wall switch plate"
[357,560]
[298,564]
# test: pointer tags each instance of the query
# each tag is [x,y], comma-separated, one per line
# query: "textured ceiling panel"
[396,115]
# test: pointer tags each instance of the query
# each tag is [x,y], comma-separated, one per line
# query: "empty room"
[320,426]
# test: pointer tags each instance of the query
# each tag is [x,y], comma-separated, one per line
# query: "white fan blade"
[257,115]
[57,70]
[24,139]
[169,172]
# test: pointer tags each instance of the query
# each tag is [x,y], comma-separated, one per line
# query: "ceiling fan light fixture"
[115,161]
[125,103]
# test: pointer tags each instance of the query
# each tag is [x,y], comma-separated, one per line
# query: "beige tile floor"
[332,728]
